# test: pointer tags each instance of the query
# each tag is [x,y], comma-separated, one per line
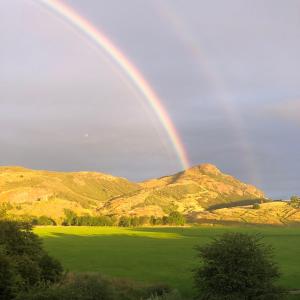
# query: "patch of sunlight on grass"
[51,231]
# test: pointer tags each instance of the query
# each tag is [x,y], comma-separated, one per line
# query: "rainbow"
[221,93]
[128,67]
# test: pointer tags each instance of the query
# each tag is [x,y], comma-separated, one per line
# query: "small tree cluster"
[71,219]
[174,218]
[43,220]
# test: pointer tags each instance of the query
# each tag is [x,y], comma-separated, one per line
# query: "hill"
[192,190]
[272,213]
[45,193]
[37,193]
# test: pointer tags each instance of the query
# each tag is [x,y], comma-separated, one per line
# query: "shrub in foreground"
[23,262]
[8,279]
[173,295]
[237,266]
[91,286]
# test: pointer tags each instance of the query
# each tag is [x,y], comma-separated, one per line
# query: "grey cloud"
[56,87]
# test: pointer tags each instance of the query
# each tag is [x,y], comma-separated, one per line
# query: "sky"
[227,73]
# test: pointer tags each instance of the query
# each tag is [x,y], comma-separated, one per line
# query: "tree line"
[72,219]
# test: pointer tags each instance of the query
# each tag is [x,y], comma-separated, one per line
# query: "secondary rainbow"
[128,67]
[221,92]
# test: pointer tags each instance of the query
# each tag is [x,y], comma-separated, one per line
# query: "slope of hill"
[192,190]
[37,193]
[30,192]
[272,213]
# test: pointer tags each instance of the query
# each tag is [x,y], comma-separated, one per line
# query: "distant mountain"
[45,193]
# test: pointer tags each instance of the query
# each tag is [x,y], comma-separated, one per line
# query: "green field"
[164,255]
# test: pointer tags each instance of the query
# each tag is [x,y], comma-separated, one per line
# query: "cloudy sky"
[227,72]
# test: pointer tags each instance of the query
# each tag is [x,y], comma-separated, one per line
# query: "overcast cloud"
[227,72]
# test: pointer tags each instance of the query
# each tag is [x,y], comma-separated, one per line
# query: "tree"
[8,278]
[176,218]
[44,220]
[237,266]
[295,201]
[165,220]
[23,262]
[152,220]
[144,220]
[135,221]
[71,218]
[124,221]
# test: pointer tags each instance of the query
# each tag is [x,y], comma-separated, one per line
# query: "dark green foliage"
[144,220]
[158,290]
[152,220]
[43,220]
[237,266]
[8,279]
[172,295]
[51,269]
[165,220]
[176,218]
[94,221]
[135,221]
[70,219]
[295,201]
[79,287]
[238,202]
[124,221]
[256,206]
[23,262]
[95,287]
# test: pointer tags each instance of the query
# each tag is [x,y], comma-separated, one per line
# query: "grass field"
[153,254]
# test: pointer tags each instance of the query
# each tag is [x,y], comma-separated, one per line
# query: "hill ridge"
[40,192]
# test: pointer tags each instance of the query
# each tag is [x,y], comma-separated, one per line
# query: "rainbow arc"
[131,71]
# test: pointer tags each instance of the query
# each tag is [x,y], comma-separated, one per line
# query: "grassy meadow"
[153,254]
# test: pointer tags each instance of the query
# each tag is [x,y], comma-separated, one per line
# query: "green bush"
[8,278]
[237,266]
[256,206]
[51,269]
[172,295]
[23,262]
[91,286]
[44,220]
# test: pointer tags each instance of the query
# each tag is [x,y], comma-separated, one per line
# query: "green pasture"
[152,254]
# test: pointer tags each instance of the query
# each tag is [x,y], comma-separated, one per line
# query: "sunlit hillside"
[189,191]
[43,193]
